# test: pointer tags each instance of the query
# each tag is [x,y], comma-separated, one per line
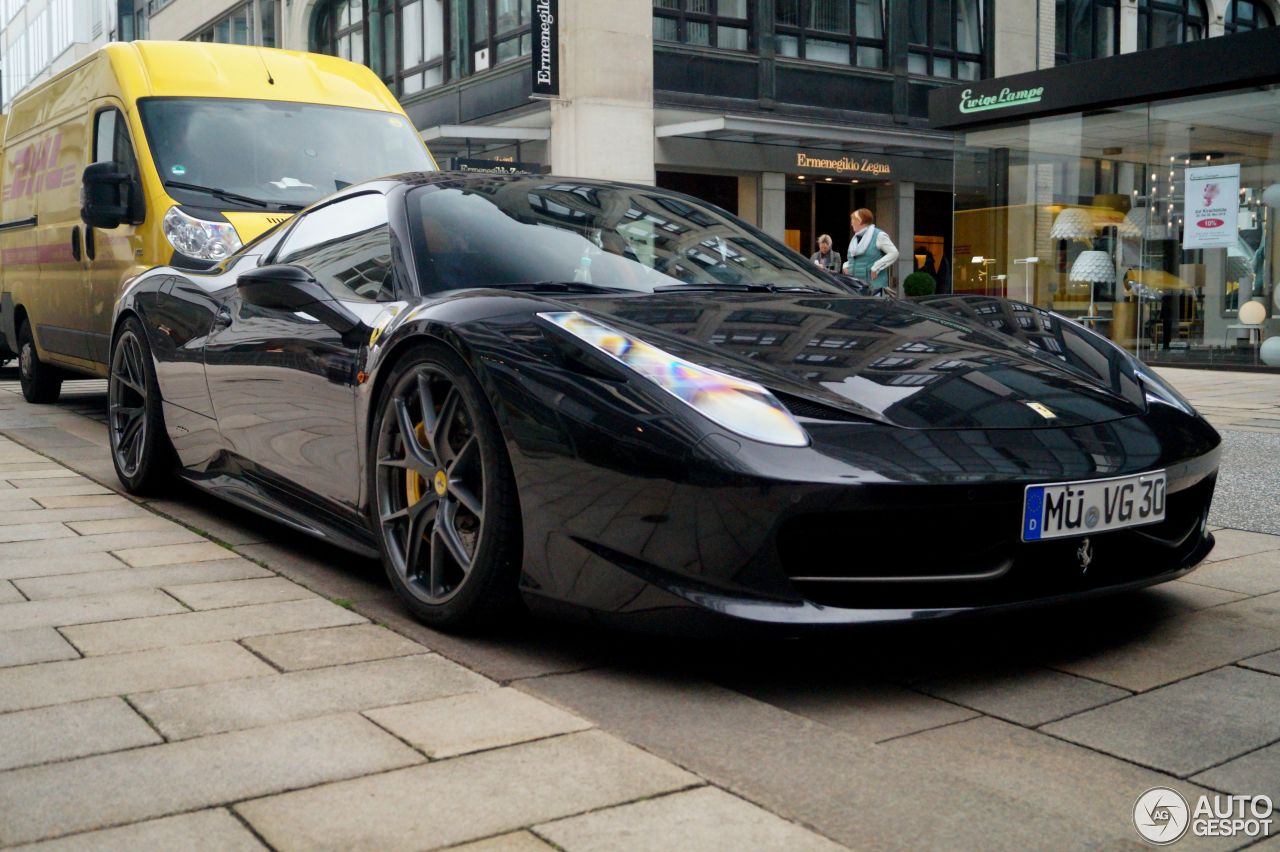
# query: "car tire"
[140,448]
[41,383]
[444,510]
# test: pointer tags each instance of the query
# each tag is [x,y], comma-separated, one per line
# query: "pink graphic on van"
[35,168]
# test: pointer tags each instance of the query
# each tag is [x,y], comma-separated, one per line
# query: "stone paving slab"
[1173,649]
[34,532]
[1185,727]
[1046,775]
[332,646]
[843,787]
[201,710]
[189,628]
[447,727]
[72,501]
[1027,696]
[705,819]
[38,473]
[95,677]
[437,804]
[36,515]
[1252,774]
[202,831]
[144,522]
[146,557]
[872,711]
[1264,663]
[82,610]
[34,645]
[9,593]
[24,567]
[1229,544]
[41,802]
[516,841]
[231,592]
[63,731]
[78,544]
[1254,574]
[107,582]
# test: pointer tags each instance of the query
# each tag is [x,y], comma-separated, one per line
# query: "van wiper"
[232,196]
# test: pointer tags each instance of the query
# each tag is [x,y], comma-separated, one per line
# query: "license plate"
[1082,508]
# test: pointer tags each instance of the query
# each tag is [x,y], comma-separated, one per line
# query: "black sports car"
[619,401]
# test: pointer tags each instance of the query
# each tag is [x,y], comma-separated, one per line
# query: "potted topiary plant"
[919,284]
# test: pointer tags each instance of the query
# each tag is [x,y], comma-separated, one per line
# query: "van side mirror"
[104,195]
[288,287]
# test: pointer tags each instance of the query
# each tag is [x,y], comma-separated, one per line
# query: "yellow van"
[150,153]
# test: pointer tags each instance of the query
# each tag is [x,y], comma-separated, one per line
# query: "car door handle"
[75,242]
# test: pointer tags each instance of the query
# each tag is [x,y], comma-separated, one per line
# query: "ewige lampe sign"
[546,47]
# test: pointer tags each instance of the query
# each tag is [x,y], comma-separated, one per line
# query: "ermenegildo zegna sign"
[546,47]
[1199,67]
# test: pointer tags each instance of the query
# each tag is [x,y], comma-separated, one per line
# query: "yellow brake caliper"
[415,486]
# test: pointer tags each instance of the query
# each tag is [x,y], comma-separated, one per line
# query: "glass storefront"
[1155,223]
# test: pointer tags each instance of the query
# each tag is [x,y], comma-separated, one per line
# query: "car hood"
[901,363]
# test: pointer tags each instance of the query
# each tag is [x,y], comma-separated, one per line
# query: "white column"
[1128,26]
[1015,37]
[773,204]
[602,125]
[896,214]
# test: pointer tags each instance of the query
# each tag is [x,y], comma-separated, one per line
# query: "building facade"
[1138,191]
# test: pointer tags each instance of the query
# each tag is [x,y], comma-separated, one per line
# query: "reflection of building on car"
[183,152]
[683,439]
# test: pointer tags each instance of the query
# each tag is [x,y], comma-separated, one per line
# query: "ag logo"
[1161,816]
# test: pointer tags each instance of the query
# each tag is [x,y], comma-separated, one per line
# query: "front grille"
[974,557]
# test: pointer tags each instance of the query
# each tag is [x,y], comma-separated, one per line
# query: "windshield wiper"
[232,196]
[557,287]
[737,288]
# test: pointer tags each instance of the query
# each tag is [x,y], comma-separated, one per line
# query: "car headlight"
[740,406]
[200,238]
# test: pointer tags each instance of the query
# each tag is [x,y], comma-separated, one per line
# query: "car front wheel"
[444,502]
[140,447]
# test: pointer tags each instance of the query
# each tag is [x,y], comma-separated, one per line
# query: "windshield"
[528,231]
[272,153]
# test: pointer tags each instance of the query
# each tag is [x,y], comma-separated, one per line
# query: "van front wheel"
[41,383]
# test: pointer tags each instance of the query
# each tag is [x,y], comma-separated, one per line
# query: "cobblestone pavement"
[180,674]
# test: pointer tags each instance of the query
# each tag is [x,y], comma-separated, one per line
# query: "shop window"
[1086,29]
[945,39]
[1246,15]
[1165,22]
[725,24]
[841,31]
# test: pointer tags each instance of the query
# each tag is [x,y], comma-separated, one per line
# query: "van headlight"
[743,407]
[200,238]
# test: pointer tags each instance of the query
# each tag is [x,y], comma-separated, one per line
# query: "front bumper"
[721,548]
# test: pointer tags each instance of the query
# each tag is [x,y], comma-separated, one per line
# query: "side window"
[111,141]
[111,145]
[347,247]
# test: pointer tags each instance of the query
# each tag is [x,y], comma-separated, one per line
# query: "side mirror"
[857,285]
[288,287]
[104,196]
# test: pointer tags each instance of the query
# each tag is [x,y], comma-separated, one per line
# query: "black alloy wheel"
[140,448]
[443,493]
[41,383]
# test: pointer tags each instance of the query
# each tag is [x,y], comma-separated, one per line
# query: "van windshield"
[275,153]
